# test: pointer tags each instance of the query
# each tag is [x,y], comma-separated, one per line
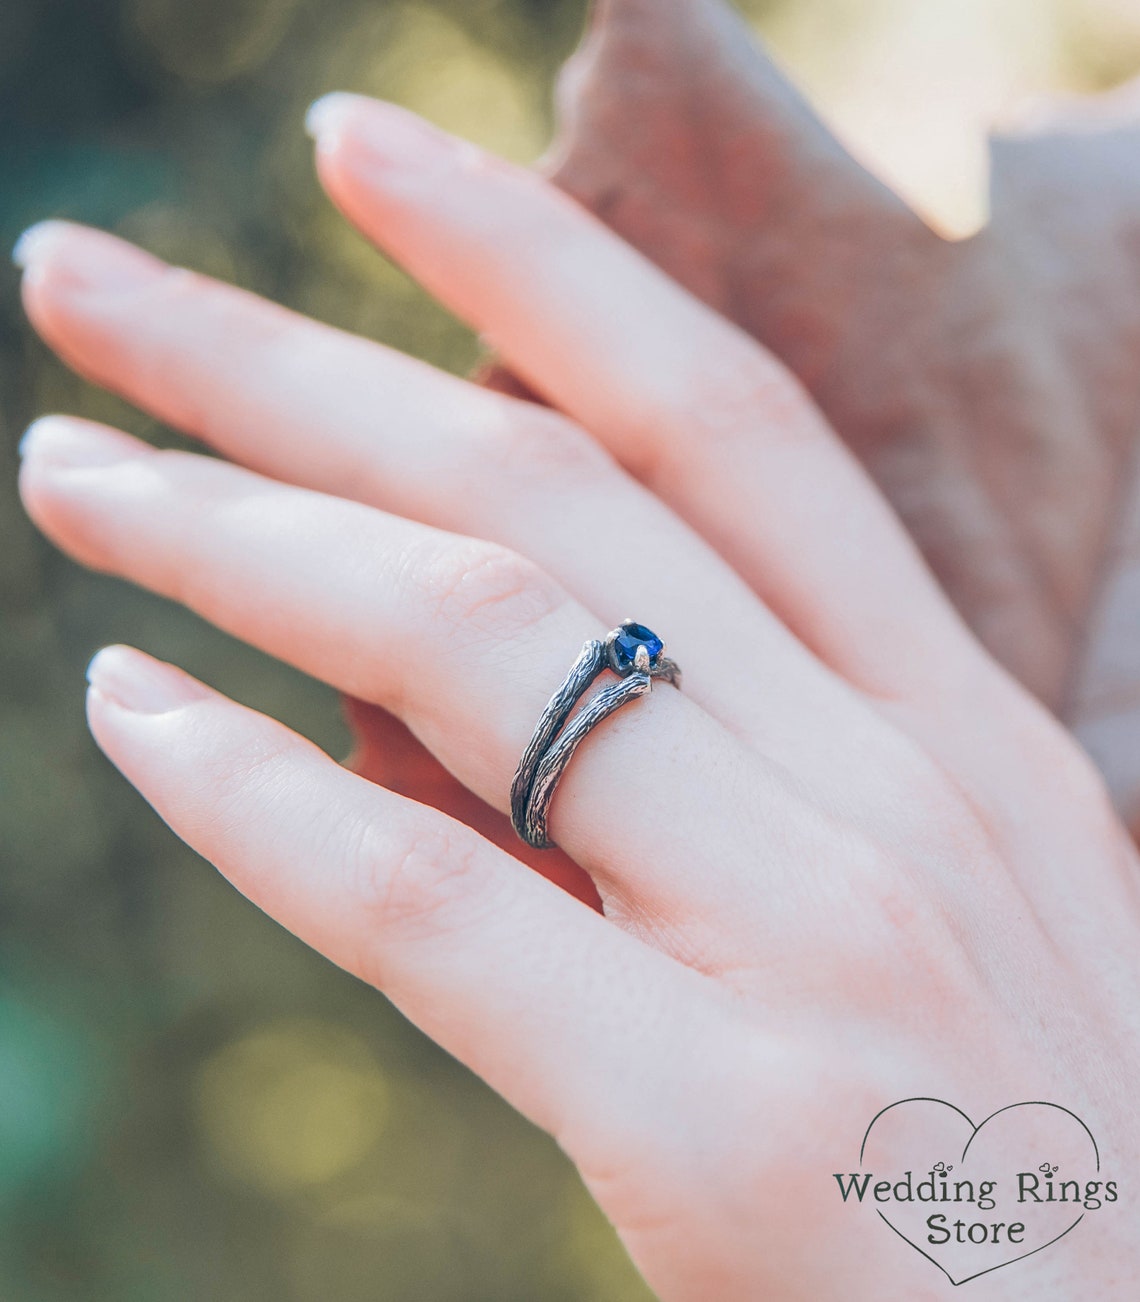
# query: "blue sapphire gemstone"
[628,638]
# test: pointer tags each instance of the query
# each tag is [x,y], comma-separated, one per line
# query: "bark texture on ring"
[554,741]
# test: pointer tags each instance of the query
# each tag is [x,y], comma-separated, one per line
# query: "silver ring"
[637,656]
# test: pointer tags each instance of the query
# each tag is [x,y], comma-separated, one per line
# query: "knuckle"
[751,390]
[733,395]
[533,444]
[478,585]
[915,941]
[415,888]
[741,390]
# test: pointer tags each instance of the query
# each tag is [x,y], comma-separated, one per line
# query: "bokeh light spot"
[291,1105]
[48,1089]
[208,41]
[430,64]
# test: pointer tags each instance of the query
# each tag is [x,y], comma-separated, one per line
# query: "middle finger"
[314,406]
[462,639]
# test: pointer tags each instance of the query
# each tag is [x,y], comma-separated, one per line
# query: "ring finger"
[462,639]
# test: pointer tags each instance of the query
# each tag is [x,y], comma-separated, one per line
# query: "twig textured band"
[633,652]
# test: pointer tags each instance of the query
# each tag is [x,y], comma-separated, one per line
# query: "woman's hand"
[989,385]
[851,862]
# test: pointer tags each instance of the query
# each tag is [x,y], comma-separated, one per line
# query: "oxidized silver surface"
[555,740]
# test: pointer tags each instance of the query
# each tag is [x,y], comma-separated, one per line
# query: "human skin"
[989,385]
[852,861]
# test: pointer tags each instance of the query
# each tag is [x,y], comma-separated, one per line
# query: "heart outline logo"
[974,1132]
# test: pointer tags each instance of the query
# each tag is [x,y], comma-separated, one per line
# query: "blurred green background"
[193,1105]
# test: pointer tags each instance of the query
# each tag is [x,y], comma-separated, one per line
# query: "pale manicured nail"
[324,114]
[58,441]
[141,684]
[391,136]
[24,250]
[83,258]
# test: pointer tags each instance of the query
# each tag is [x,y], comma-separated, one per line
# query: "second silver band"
[555,740]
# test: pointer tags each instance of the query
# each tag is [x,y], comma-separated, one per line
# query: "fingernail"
[141,684]
[323,114]
[58,440]
[29,437]
[84,258]
[391,136]
[24,249]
